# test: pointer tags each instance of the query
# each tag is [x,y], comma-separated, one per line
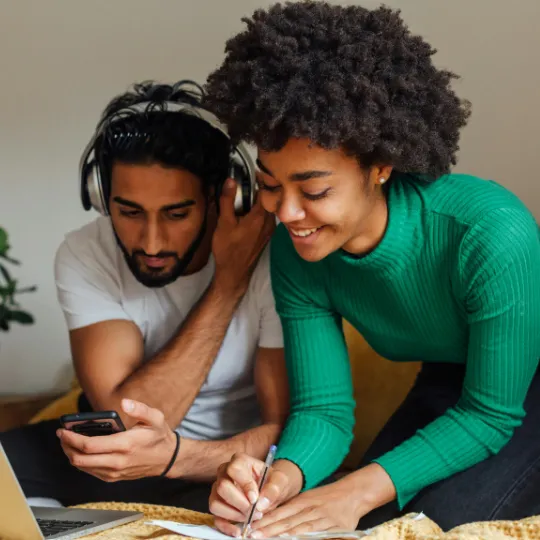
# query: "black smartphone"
[93,424]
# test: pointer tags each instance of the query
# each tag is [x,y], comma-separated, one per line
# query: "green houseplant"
[9,308]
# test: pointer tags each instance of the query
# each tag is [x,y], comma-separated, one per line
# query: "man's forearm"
[199,460]
[172,379]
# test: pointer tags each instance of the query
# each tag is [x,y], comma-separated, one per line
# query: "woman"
[356,133]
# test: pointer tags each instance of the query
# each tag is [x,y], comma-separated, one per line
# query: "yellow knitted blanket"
[404,528]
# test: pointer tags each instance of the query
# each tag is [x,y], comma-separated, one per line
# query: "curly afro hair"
[344,77]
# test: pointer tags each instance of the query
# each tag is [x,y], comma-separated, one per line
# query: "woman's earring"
[382,180]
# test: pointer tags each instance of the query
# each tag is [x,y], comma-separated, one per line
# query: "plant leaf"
[4,246]
[21,317]
[6,274]
[9,259]
[33,288]
[4,325]
[8,290]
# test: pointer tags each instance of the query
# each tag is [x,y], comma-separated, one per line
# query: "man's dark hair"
[175,139]
[170,139]
[343,77]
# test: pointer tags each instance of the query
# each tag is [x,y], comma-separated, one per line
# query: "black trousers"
[505,486]
[43,470]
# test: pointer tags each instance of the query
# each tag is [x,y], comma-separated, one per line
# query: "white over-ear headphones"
[241,169]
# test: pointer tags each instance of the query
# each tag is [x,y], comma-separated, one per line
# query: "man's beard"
[158,278]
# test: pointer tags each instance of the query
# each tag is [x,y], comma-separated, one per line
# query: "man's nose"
[153,238]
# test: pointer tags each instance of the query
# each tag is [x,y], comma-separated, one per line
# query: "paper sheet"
[204,532]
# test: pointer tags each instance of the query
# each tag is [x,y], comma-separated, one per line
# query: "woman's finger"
[221,510]
[227,527]
[232,495]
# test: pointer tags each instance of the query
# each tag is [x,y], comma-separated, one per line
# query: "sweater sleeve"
[319,430]
[500,273]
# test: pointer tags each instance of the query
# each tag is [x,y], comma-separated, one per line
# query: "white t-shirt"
[95,284]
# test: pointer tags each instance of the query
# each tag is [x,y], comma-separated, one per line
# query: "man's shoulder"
[93,244]
[89,284]
[91,253]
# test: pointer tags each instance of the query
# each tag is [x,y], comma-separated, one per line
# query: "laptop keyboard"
[50,527]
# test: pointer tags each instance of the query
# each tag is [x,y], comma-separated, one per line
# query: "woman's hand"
[335,507]
[236,489]
[328,508]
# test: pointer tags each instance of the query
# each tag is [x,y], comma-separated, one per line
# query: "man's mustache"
[160,255]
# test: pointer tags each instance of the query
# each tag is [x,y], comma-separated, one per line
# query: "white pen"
[267,464]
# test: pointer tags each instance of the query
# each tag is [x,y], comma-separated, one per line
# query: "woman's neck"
[373,228]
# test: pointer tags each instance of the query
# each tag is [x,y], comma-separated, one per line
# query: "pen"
[267,464]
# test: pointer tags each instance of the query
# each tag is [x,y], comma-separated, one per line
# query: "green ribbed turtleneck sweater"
[455,279]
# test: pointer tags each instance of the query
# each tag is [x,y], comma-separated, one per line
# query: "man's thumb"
[226,204]
[229,185]
[141,412]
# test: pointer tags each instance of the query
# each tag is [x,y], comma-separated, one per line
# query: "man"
[170,314]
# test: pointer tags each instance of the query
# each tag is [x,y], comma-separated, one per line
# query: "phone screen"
[93,424]
[94,428]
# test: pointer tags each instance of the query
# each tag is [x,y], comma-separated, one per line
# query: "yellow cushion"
[66,404]
[380,386]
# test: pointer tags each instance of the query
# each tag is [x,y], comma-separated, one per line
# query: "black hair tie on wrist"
[175,454]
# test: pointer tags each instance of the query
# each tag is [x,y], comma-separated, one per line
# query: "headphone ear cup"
[85,196]
[91,186]
[92,194]
[243,200]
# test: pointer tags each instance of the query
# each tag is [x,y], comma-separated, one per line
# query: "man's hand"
[237,488]
[239,241]
[142,451]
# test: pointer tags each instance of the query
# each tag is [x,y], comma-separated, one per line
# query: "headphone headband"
[162,106]
[241,166]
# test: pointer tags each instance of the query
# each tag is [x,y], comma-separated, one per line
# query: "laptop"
[19,521]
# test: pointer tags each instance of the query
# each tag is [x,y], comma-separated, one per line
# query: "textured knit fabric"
[456,278]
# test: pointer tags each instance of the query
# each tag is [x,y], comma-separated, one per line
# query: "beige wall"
[61,60]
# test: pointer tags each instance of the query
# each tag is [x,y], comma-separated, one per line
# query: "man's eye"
[178,215]
[130,213]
